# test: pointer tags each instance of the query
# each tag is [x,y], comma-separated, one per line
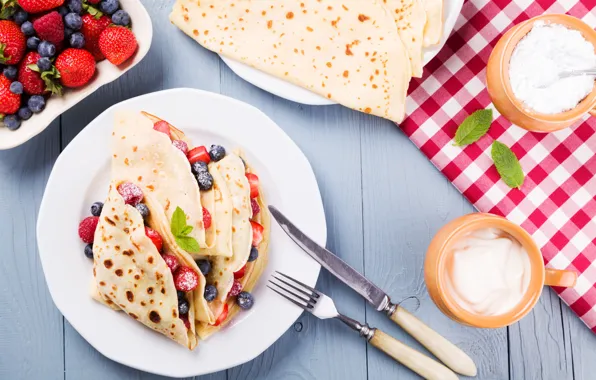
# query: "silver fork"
[323,307]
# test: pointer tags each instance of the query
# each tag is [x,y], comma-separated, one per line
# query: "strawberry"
[236,289]
[36,83]
[198,154]
[91,29]
[94,2]
[186,279]
[239,274]
[206,218]
[255,206]
[87,229]
[171,262]
[155,237]
[50,27]
[253,181]
[9,102]
[131,193]
[181,145]
[163,127]
[117,43]
[37,6]
[183,317]
[12,43]
[257,233]
[76,67]
[221,317]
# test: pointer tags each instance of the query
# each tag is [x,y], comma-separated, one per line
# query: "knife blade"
[339,268]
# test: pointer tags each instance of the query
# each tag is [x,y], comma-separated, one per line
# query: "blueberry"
[20,17]
[183,307]
[44,64]
[245,300]
[25,113]
[205,180]
[142,209]
[75,6]
[77,40]
[36,103]
[204,266]
[254,253]
[12,122]
[63,11]
[10,72]
[109,6]
[210,293]
[217,152]
[181,295]
[89,251]
[32,43]
[96,208]
[16,88]
[27,28]
[199,167]
[46,49]
[121,17]
[73,21]
[67,33]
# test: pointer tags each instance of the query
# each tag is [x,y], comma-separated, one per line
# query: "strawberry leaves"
[3,57]
[180,230]
[50,78]
[7,8]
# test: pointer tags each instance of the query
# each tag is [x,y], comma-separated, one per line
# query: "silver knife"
[446,351]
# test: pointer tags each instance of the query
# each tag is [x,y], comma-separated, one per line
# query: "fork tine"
[315,291]
[306,307]
[301,297]
[312,297]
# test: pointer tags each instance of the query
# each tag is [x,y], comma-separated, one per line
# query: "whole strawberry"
[34,82]
[76,67]
[118,44]
[37,6]
[12,43]
[92,28]
[9,102]
[50,27]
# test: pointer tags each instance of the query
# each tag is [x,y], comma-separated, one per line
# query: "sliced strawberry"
[257,233]
[163,127]
[206,218]
[181,145]
[253,180]
[198,154]
[236,289]
[131,193]
[240,273]
[222,317]
[185,320]
[87,228]
[155,237]
[171,262]
[186,279]
[255,206]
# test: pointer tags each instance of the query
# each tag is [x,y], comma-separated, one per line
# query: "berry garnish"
[50,27]
[9,102]
[142,209]
[25,113]
[198,154]
[186,321]
[205,181]
[46,49]
[12,43]
[96,208]
[222,317]
[171,262]
[255,206]
[155,237]
[236,289]
[121,18]
[131,193]
[36,103]
[38,6]
[199,167]
[183,307]
[109,6]
[253,181]
[217,152]
[253,255]
[245,300]
[204,266]
[11,122]
[206,218]
[73,21]
[87,229]
[89,251]
[163,127]
[75,5]
[76,67]
[186,279]
[10,72]
[240,272]
[257,233]
[117,43]
[181,295]
[91,29]
[181,145]
[210,293]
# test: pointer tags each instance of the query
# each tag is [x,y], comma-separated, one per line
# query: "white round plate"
[286,90]
[81,176]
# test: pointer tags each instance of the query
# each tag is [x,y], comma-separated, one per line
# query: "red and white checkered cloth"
[557,202]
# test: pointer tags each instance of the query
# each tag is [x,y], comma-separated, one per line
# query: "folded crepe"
[131,275]
[433,28]
[348,51]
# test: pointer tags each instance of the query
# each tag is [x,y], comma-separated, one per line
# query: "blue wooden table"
[383,201]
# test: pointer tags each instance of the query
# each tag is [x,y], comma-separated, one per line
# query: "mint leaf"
[474,127]
[188,244]
[507,165]
[178,222]
[186,230]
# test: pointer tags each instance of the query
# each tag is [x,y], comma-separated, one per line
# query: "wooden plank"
[582,345]
[30,325]
[539,345]
[329,137]
[406,200]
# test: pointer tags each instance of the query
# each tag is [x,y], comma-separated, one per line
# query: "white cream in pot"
[490,272]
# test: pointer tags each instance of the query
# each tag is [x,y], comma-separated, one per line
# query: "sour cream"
[489,273]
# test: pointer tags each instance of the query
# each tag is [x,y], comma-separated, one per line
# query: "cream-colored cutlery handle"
[447,352]
[414,360]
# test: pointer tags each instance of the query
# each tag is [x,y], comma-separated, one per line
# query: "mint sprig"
[507,165]
[180,230]
[474,127]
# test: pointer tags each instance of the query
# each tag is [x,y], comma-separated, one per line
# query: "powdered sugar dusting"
[546,51]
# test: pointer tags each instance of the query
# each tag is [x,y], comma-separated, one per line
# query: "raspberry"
[131,193]
[181,145]
[155,238]
[186,279]
[236,289]
[50,27]
[171,262]
[255,206]
[87,228]
[186,321]
[206,218]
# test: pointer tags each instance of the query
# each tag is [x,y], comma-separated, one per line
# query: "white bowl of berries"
[54,53]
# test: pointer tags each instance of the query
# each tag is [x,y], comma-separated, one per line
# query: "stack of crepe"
[130,274]
[359,53]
